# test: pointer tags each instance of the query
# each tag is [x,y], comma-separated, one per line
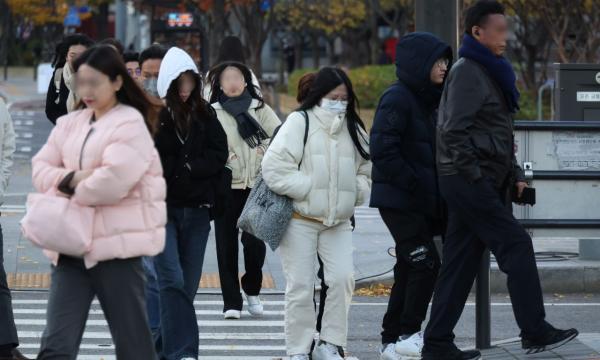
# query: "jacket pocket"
[484,146]
[237,168]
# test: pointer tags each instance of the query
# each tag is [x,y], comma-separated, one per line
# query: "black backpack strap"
[305,136]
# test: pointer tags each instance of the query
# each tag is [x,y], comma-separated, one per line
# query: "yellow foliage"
[42,12]
[329,17]
[39,11]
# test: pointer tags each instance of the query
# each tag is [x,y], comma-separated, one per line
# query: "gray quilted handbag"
[266,214]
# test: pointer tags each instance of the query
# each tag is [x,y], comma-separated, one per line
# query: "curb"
[568,278]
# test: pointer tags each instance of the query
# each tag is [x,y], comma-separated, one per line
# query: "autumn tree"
[327,19]
[530,48]
[574,27]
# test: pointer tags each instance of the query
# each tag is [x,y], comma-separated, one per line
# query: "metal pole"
[483,318]
[121,21]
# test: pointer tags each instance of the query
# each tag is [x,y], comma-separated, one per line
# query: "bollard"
[589,249]
[483,318]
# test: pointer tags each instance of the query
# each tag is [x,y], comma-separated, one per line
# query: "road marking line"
[220,357]
[203,336]
[205,323]
[201,347]
[100,312]
[96,302]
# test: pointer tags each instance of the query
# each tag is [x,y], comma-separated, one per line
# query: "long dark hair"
[194,105]
[62,49]
[327,79]
[105,59]
[231,49]
[214,79]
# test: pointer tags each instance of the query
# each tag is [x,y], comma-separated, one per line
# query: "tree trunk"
[216,32]
[299,48]
[314,40]
[102,21]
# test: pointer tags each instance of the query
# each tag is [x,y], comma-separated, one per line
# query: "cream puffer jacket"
[244,161]
[7,147]
[333,178]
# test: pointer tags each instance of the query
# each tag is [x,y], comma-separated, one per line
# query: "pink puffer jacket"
[126,187]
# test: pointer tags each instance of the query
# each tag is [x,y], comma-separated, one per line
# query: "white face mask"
[337,107]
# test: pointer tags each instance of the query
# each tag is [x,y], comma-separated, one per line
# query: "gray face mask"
[150,86]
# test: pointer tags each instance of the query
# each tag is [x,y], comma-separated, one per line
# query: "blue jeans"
[179,269]
[152,299]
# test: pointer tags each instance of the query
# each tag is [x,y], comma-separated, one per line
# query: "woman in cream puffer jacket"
[249,124]
[326,178]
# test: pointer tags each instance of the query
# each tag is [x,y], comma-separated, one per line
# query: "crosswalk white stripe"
[201,347]
[95,302]
[205,323]
[202,336]
[99,312]
[220,357]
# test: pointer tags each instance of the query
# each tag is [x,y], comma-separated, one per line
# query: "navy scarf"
[498,67]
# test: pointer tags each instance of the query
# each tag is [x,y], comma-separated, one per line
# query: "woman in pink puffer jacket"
[106,154]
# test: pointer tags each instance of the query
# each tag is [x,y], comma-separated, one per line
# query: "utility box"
[577,92]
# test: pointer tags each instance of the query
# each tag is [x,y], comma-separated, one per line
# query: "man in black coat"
[405,185]
[477,167]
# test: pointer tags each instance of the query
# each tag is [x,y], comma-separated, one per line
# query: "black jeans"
[255,250]
[479,218]
[119,286]
[8,330]
[415,272]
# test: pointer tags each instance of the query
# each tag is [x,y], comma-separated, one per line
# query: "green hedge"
[369,82]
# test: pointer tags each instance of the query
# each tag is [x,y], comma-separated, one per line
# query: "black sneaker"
[552,339]
[452,355]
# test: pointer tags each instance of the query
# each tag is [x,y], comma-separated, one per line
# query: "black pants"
[479,218]
[227,232]
[119,286]
[415,272]
[8,330]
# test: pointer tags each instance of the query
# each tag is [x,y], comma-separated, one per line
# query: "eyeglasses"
[138,72]
[442,63]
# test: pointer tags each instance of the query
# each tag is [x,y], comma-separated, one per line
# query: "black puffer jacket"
[403,134]
[193,168]
[475,128]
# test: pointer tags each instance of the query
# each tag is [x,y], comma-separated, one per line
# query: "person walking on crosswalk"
[103,156]
[61,97]
[405,186]
[9,340]
[249,124]
[193,148]
[326,178]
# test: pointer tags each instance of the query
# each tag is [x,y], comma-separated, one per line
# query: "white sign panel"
[588,96]
[577,150]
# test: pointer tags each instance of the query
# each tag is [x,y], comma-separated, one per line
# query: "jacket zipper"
[87,136]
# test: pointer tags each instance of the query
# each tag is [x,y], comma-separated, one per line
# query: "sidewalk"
[585,347]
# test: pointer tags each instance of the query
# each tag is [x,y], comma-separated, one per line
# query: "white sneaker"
[255,306]
[326,351]
[412,346]
[299,357]
[232,314]
[189,358]
[388,352]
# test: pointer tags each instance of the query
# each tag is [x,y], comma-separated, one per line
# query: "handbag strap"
[305,136]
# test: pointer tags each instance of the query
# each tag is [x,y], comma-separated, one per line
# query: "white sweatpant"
[299,247]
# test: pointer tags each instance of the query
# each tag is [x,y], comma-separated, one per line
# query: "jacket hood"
[175,62]
[416,53]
